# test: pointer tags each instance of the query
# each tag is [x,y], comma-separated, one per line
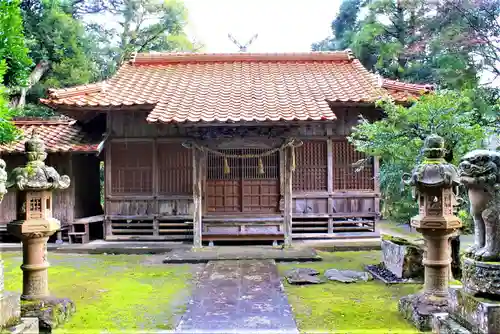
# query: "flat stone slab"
[241,253]
[303,276]
[10,308]
[238,296]
[347,276]
[26,326]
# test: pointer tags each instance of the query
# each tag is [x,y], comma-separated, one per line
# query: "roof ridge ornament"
[243,48]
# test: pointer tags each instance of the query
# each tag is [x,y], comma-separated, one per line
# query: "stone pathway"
[238,296]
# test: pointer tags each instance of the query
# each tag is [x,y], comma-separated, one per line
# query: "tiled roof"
[191,87]
[402,91]
[59,135]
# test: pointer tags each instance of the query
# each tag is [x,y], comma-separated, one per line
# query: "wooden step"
[130,230]
[309,228]
[341,222]
[175,224]
[308,223]
[131,224]
[77,233]
[352,228]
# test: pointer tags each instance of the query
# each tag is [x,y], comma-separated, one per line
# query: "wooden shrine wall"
[149,172]
[81,199]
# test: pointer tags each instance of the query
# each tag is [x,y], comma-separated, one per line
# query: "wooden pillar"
[156,208]
[287,195]
[197,198]
[376,188]
[329,178]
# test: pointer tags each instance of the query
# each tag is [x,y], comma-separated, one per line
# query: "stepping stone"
[238,296]
[303,276]
[347,276]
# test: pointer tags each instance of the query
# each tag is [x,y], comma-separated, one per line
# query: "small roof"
[194,87]
[59,135]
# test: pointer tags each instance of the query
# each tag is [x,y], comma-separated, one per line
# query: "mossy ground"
[333,307]
[112,293]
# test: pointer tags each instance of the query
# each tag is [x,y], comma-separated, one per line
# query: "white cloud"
[282,25]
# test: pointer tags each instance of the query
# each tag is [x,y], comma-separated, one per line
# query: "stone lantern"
[435,186]
[34,224]
[10,307]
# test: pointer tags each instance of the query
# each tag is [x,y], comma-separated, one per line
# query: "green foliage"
[144,25]
[8,132]
[414,40]
[398,138]
[55,36]
[14,63]
[12,44]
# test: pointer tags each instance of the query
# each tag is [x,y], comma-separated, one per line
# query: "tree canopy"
[14,62]
[65,45]
[450,44]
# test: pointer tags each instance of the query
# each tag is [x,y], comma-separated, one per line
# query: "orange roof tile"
[192,87]
[60,135]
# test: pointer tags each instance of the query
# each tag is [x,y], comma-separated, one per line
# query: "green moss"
[338,307]
[112,293]
[398,240]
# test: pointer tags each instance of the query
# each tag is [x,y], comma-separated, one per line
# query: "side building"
[72,151]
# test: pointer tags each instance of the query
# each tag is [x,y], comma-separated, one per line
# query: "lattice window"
[242,184]
[132,168]
[221,168]
[175,169]
[36,204]
[311,167]
[345,176]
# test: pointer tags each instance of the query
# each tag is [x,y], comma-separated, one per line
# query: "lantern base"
[418,309]
[51,312]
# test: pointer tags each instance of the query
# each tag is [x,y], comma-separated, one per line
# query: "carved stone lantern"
[34,224]
[435,186]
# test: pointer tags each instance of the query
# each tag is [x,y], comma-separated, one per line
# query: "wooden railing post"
[287,194]
[197,198]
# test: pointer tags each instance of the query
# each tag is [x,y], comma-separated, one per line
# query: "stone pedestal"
[475,308]
[34,235]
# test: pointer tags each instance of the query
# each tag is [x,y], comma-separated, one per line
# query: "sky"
[281,25]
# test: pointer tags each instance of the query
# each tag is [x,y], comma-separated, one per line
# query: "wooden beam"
[287,194]
[197,198]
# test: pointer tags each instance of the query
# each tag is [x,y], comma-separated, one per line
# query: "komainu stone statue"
[3,180]
[480,173]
